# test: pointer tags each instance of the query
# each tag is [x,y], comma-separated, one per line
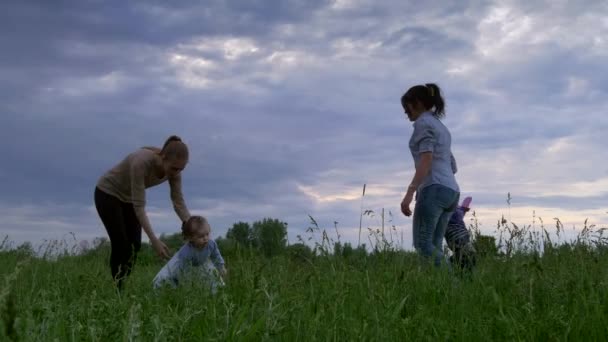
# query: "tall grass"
[518,294]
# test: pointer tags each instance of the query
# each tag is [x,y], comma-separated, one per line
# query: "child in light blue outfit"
[199,258]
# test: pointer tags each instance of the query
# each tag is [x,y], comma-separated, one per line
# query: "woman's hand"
[161,249]
[405,204]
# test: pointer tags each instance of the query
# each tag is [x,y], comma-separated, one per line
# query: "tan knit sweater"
[128,180]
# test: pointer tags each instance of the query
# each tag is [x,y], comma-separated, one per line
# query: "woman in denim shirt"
[436,189]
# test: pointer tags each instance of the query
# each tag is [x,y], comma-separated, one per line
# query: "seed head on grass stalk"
[361,215]
[5,244]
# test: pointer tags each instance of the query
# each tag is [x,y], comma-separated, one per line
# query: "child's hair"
[429,95]
[193,224]
[175,149]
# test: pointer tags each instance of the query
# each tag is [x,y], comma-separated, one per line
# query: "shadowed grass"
[386,296]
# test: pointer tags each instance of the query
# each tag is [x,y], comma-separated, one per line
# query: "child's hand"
[223,272]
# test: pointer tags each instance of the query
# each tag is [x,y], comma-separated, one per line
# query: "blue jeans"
[434,207]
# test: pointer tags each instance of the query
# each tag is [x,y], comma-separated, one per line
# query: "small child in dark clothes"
[459,239]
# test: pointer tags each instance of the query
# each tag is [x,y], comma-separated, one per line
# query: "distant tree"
[25,249]
[228,247]
[241,233]
[343,249]
[485,245]
[360,252]
[299,252]
[347,250]
[100,242]
[338,248]
[270,235]
[174,241]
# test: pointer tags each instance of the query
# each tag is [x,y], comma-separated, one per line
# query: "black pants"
[124,231]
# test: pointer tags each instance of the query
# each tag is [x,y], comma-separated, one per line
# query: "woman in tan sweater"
[120,199]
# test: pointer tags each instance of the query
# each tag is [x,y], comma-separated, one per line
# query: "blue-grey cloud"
[289,107]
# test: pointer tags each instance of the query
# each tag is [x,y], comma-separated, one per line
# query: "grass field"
[561,294]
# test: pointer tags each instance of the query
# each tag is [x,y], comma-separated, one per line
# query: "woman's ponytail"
[170,140]
[436,99]
[174,148]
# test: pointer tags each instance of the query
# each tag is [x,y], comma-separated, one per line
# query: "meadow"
[528,288]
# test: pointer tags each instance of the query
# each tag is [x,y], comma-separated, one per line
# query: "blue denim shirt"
[189,255]
[431,135]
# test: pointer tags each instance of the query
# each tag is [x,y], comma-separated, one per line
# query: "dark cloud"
[415,37]
[312,101]
[152,22]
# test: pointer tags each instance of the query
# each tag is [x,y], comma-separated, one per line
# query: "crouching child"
[198,259]
[458,239]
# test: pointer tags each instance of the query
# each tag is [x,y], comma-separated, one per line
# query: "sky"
[290,106]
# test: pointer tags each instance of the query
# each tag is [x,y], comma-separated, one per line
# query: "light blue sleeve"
[424,136]
[215,255]
[170,272]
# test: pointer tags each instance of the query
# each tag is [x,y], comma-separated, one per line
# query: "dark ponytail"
[169,140]
[174,148]
[437,99]
[429,95]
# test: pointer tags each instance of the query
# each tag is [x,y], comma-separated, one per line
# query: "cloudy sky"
[290,106]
